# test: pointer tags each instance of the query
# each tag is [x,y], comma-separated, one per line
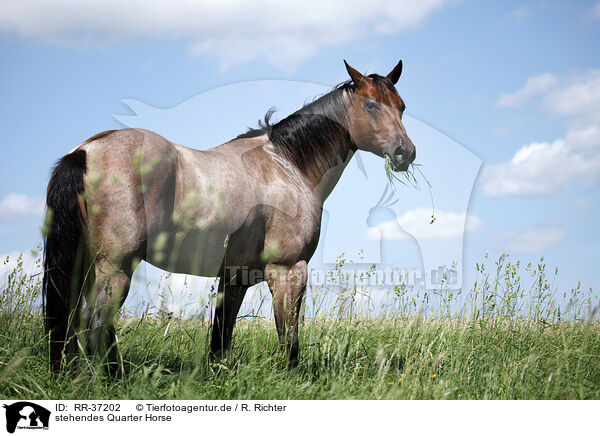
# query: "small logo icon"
[26,415]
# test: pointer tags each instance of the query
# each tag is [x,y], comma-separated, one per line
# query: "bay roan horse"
[246,211]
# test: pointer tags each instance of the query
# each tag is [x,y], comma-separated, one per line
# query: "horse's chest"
[290,238]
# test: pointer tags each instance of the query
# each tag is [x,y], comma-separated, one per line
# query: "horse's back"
[125,143]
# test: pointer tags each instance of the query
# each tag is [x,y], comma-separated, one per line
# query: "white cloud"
[416,223]
[234,31]
[542,168]
[577,99]
[534,239]
[9,261]
[19,205]
[534,86]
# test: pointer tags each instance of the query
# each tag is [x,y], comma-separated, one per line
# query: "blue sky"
[515,84]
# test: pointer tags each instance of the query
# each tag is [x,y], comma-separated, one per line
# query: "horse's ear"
[356,76]
[394,75]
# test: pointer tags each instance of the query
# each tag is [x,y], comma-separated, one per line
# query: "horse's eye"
[370,105]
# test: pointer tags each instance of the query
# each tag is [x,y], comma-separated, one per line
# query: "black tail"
[64,253]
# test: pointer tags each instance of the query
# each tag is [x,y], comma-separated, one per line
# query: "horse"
[246,211]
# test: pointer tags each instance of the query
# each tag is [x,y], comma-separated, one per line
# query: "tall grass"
[512,335]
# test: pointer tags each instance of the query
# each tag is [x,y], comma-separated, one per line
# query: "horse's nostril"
[398,151]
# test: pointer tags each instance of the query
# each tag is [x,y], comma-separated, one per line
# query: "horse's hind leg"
[287,285]
[229,301]
[102,305]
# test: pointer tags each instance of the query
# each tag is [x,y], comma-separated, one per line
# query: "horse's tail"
[64,253]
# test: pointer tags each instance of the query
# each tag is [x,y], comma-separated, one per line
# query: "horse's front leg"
[102,305]
[229,301]
[287,285]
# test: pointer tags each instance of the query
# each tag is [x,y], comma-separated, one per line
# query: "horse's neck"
[325,181]
[327,148]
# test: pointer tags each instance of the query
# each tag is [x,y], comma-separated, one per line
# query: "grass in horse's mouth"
[409,179]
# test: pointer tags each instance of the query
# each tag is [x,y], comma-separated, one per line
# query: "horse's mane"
[311,137]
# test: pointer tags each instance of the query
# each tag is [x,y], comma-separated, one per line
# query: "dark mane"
[264,126]
[310,137]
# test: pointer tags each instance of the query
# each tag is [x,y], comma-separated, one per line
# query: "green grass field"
[505,340]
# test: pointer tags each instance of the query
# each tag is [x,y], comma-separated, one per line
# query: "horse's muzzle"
[403,158]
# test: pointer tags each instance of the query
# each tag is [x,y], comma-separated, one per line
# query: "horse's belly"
[203,251]
[193,252]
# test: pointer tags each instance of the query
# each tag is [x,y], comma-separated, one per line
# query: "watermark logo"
[27,416]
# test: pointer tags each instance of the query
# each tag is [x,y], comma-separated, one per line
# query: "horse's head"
[375,117]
